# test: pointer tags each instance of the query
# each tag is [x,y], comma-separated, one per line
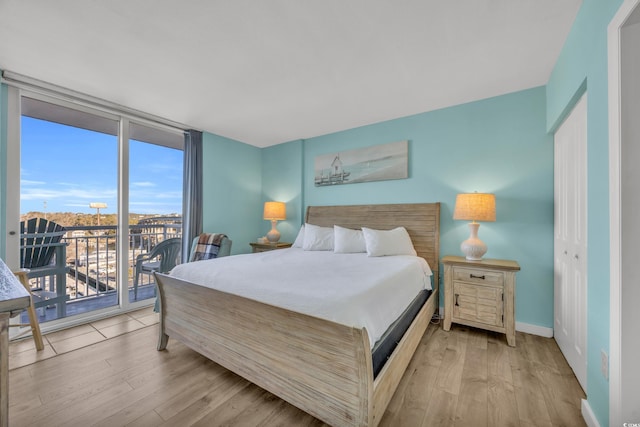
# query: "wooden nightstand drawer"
[478,276]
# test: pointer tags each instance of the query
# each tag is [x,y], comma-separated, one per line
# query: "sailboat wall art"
[376,163]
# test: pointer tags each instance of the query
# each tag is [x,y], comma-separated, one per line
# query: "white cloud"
[26,182]
[143,184]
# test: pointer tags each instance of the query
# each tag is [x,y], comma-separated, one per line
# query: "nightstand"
[480,294]
[264,247]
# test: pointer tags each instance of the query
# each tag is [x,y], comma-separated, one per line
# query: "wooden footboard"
[321,367]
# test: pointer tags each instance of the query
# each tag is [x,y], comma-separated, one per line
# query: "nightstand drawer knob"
[473,276]
[456,295]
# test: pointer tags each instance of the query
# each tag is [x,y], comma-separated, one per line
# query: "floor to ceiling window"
[100,193]
[155,205]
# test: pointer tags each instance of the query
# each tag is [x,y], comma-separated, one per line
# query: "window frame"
[16,92]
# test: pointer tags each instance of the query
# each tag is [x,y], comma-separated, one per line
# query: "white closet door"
[570,246]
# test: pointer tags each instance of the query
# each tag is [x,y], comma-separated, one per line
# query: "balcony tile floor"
[23,352]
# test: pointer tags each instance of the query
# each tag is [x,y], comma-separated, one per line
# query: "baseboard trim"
[527,328]
[588,415]
[534,329]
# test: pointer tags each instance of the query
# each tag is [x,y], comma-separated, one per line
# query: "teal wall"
[232,190]
[583,65]
[282,170]
[497,145]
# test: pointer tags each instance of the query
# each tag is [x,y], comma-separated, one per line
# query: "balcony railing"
[91,258]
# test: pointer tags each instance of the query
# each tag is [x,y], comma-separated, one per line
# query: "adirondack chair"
[162,258]
[43,254]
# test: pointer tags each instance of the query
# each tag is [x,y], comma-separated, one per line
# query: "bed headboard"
[422,221]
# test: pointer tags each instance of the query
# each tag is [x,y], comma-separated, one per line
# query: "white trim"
[36,86]
[528,328]
[56,99]
[12,188]
[123,211]
[12,210]
[615,272]
[588,415]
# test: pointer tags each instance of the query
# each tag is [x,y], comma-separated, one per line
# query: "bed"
[320,366]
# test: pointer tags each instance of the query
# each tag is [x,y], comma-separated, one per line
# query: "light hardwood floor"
[109,374]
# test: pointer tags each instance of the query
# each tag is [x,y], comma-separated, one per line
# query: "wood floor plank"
[441,410]
[288,415]
[149,419]
[135,403]
[200,390]
[219,394]
[450,374]
[472,406]
[560,362]
[532,409]
[537,351]
[561,395]
[501,400]
[233,411]
[94,390]
[69,385]
[62,415]
[461,377]
[267,406]
[407,405]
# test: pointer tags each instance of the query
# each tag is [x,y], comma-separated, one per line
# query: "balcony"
[90,260]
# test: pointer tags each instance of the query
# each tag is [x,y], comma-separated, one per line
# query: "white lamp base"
[273,235]
[473,248]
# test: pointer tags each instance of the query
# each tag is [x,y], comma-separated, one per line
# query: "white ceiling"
[266,72]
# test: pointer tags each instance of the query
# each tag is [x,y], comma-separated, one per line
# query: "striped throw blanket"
[208,246]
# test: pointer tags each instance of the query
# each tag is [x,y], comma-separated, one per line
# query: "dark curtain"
[191,191]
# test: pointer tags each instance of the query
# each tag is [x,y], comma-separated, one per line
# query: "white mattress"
[351,289]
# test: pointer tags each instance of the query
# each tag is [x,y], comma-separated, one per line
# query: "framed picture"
[375,163]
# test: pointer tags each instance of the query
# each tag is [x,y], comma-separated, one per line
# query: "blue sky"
[65,168]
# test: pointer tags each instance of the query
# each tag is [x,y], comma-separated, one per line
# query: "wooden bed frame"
[322,367]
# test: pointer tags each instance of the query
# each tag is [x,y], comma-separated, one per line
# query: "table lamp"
[274,212]
[474,207]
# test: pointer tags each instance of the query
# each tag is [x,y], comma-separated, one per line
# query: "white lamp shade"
[475,207]
[275,211]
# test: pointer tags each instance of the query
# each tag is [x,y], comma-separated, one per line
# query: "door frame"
[578,362]
[616,315]
[12,213]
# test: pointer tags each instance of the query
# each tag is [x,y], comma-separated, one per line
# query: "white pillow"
[346,240]
[388,242]
[299,238]
[317,238]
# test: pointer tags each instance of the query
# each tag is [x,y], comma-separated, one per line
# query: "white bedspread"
[351,289]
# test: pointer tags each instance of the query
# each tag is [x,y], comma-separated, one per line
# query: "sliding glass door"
[98,193]
[155,206]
